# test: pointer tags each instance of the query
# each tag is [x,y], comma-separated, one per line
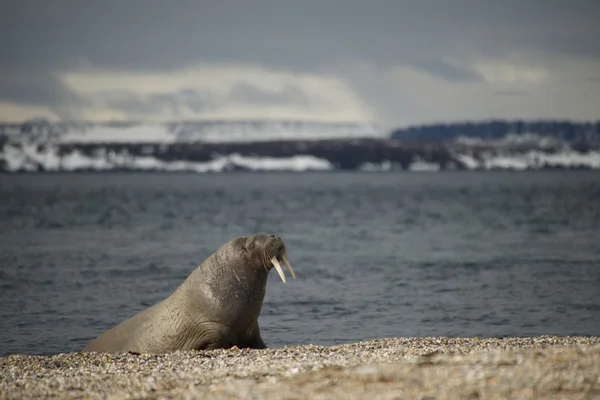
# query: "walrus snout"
[279,247]
[276,252]
[272,244]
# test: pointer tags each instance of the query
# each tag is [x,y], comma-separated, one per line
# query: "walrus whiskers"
[267,260]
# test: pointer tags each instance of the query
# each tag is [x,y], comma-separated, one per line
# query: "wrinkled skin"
[217,306]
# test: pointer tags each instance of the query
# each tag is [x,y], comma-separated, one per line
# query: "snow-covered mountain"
[513,140]
[287,146]
[39,131]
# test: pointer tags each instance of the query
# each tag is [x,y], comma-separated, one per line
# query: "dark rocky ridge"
[343,154]
[582,133]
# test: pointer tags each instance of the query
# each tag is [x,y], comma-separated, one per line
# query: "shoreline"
[438,367]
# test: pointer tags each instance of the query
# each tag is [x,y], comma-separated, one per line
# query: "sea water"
[485,254]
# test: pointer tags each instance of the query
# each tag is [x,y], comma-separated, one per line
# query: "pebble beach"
[417,368]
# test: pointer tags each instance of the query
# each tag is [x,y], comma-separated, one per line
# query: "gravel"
[421,368]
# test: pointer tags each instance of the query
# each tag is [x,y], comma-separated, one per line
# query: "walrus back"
[132,334]
[157,329]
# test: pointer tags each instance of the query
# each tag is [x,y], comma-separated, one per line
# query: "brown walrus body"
[217,306]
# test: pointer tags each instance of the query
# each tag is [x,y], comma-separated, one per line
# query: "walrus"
[217,306]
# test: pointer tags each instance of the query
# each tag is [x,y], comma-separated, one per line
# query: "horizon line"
[43,120]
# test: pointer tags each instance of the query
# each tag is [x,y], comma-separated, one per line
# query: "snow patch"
[119,134]
[384,166]
[534,159]
[46,157]
[468,161]
[511,139]
[419,165]
[29,158]
[187,132]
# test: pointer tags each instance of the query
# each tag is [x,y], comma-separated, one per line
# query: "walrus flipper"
[216,336]
[253,338]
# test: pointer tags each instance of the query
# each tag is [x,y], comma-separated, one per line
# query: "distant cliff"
[469,146]
[583,134]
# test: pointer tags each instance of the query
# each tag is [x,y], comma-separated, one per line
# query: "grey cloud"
[197,101]
[36,88]
[133,104]
[447,71]
[245,93]
[151,34]
[510,93]
[373,87]
[40,37]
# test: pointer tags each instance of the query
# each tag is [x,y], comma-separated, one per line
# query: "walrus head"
[268,251]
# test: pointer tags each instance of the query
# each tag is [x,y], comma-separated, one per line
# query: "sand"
[412,368]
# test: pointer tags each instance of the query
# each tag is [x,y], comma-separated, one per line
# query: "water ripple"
[454,254]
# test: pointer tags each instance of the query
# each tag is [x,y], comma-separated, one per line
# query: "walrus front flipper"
[253,338]
[216,336]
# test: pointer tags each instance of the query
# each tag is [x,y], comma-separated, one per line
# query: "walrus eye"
[251,245]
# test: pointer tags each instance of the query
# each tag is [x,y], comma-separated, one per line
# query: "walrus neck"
[227,286]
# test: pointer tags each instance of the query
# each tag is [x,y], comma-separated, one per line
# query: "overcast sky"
[390,62]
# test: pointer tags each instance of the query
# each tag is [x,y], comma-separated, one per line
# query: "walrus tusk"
[289,267]
[278,268]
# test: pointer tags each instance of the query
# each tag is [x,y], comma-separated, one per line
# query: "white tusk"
[289,267]
[278,268]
